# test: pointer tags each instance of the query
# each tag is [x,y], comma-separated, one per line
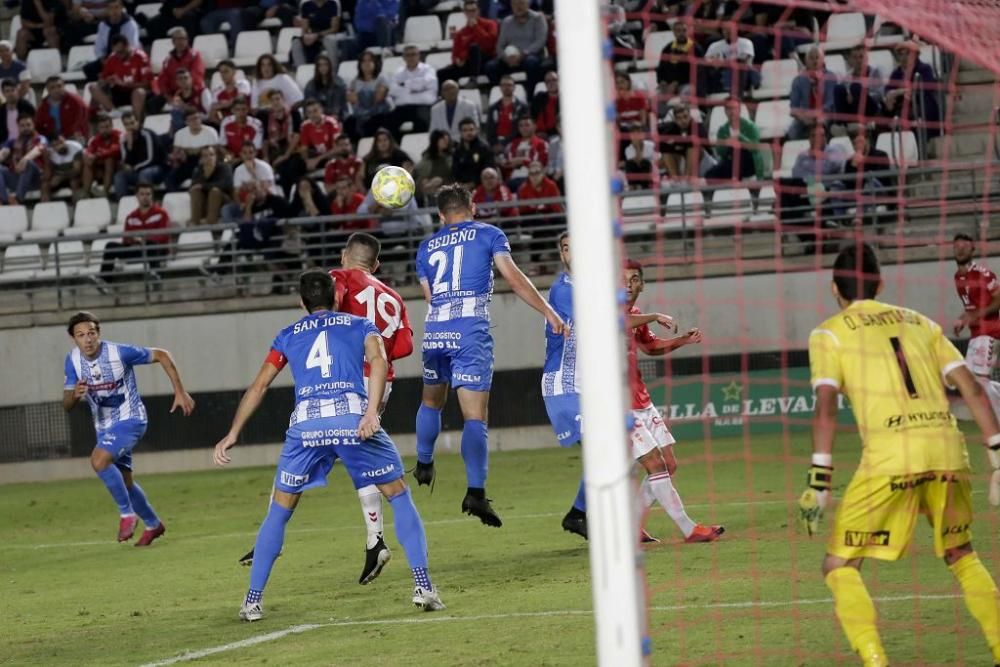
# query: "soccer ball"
[392,187]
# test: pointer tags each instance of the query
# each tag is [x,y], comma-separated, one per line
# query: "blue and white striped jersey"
[559,376]
[326,352]
[457,264]
[112,392]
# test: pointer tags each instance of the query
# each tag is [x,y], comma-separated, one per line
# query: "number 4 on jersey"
[319,355]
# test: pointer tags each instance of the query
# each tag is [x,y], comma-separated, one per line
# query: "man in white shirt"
[188,142]
[254,187]
[413,90]
[733,56]
[451,110]
[63,166]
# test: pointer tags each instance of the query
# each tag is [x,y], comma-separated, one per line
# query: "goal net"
[752,141]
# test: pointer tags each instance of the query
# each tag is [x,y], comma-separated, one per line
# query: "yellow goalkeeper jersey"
[890,362]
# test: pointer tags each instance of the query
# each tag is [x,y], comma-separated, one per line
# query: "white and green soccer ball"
[393,187]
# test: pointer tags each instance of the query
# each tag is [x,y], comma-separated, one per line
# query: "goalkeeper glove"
[814,499]
[994,456]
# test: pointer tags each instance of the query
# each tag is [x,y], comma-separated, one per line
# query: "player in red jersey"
[362,294]
[651,440]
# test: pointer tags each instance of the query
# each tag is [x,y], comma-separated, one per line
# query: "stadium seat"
[193,248]
[888,38]
[364,147]
[730,207]
[149,9]
[684,210]
[438,60]
[158,123]
[15,26]
[67,259]
[836,64]
[391,65]
[125,206]
[844,31]
[900,146]
[78,57]
[845,143]
[304,74]
[518,93]
[446,6]
[643,80]
[776,78]
[424,31]
[251,45]
[931,55]
[347,70]
[92,214]
[655,43]
[789,153]
[883,61]
[455,22]
[773,118]
[178,205]
[13,220]
[283,49]
[158,53]
[213,48]
[718,119]
[50,217]
[43,63]
[217,78]
[21,262]
[415,144]
[473,96]
[765,204]
[640,213]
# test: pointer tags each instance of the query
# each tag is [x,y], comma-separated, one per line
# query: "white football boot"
[251,611]
[428,600]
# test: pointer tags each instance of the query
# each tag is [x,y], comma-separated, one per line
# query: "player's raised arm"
[979,405]
[658,347]
[526,291]
[182,399]
[248,404]
[636,320]
[378,372]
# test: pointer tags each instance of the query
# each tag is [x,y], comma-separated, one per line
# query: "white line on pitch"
[298,629]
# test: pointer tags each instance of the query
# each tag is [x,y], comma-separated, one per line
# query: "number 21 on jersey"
[439,259]
[319,355]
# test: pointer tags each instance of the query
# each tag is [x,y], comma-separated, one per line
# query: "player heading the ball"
[894,365]
[455,267]
[102,373]
[335,416]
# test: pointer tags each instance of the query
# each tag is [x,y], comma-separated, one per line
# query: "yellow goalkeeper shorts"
[878,513]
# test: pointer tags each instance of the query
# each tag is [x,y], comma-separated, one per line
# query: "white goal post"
[586,101]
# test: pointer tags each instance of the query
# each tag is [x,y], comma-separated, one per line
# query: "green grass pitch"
[520,595]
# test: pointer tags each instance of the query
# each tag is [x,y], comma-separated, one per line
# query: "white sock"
[371,506]
[662,488]
[646,497]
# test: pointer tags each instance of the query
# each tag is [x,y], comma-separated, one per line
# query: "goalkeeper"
[893,365]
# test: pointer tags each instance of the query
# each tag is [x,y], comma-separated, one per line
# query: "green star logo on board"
[732,391]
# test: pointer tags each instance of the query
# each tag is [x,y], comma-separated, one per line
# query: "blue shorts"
[312,446]
[120,440]
[564,413]
[459,353]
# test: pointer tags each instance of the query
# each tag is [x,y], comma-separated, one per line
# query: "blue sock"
[142,506]
[270,538]
[475,452]
[410,533]
[428,428]
[581,497]
[112,478]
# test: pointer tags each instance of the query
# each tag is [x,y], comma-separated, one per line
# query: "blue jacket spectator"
[899,99]
[376,22]
[812,96]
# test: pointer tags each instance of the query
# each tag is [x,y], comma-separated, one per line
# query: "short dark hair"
[144,185]
[856,272]
[119,39]
[181,70]
[8,83]
[316,290]
[80,318]
[226,63]
[311,101]
[55,78]
[128,114]
[241,99]
[962,236]
[453,199]
[466,121]
[634,265]
[102,118]
[371,245]
[562,237]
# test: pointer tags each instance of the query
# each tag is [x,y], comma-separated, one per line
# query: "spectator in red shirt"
[632,106]
[135,247]
[238,128]
[181,57]
[189,96]
[125,79]
[344,200]
[23,159]
[223,95]
[62,113]
[545,106]
[344,163]
[527,148]
[101,155]
[500,125]
[549,217]
[492,191]
[474,43]
[318,136]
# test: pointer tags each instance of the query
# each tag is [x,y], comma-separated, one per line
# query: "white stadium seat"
[438,60]
[178,205]
[15,27]
[773,118]
[719,118]
[51,217]
[158,123]
[473,96]
[415,144]
[92,214]
[66,259]
[125,206]
[455,22]
[158,53]
[789,153]
[213,49]
[836,64]
[251,45]
[364,147]
[193,248]
[43,63]
[684,210]
[844,31]
[348,70]
[21,262]
[13,220]
[655,43]
[883,61]
[730,206]
[900,146]
[391,65]
[304,74]
[283,49]
[424,31]
[149,9]
[776,78]
[640,213]
[217,78]
[845,143]
[77,58]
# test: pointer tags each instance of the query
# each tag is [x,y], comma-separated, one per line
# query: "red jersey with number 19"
[976,288]
[640,394]
[362,294]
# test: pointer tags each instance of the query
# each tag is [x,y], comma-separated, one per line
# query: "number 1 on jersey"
[439,259]
[319,355]
[904,367]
